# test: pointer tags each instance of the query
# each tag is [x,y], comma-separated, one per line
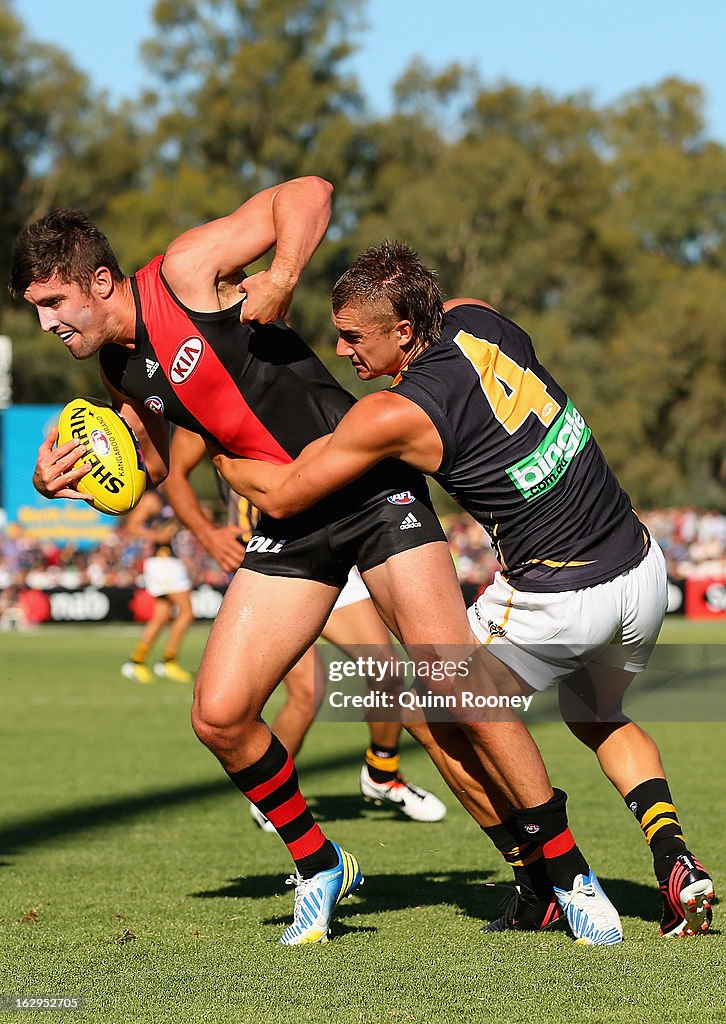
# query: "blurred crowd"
[694,543]
[117,562]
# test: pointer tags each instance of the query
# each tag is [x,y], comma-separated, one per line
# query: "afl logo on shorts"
[155,404]
[404,498]
[100,443]
[186,359]
[531,830]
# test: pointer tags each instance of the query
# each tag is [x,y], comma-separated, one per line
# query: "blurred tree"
[60,145]
[601,231]
[250,94]
[667,362]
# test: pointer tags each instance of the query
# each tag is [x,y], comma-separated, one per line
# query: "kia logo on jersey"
[185,361]
[404,498]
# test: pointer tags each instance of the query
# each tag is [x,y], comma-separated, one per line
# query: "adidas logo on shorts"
[151,368]
[410,522]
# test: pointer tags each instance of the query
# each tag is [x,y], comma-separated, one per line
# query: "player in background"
[582,592]
[167,580]
[353,623]
[174,348]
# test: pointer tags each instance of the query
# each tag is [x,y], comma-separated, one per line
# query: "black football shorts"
[385,512]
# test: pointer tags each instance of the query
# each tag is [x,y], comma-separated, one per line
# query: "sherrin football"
[117,477]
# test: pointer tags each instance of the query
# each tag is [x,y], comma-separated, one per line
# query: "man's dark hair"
[63,242]
[393,271]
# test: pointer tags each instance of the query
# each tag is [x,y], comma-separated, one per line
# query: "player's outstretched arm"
[187,450]
[293,217]
[138,520]
[377,427]
[152,432]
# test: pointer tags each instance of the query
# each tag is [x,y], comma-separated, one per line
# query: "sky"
[565,46]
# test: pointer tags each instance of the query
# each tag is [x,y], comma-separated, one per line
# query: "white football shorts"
[354,590]
[546,637]
[165,575]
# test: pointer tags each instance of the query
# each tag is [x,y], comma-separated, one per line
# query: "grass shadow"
[120,811]
[470,892]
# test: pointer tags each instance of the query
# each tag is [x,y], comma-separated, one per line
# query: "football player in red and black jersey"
[353,625]
[582,591]
[177,343]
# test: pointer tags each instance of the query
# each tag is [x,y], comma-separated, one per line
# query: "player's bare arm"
[152,432]
[137,522]
[222,542]
[377,427]
[292,217]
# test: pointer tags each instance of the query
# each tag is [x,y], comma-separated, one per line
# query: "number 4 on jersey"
[512,392]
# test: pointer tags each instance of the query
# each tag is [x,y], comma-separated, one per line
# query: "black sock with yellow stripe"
[525,859]
[652,805]
[383,763]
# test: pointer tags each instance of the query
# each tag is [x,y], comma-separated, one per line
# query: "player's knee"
[594,734]
[216,723]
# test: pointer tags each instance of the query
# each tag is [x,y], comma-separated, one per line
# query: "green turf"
[133,876]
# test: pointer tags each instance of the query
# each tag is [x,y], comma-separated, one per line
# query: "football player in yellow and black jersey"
[582,591]
[353,622]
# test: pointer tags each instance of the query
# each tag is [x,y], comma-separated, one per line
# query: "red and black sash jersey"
[520,458]
[257,389]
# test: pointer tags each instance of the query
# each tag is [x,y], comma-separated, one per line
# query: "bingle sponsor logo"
[186,359]
[538,472]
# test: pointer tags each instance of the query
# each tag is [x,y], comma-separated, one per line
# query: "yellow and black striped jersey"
[520,458]
[240,511]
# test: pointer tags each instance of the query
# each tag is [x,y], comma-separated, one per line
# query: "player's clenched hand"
[55,475]
[267,297]
[224,546]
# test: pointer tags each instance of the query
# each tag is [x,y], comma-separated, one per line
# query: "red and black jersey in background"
[257,389]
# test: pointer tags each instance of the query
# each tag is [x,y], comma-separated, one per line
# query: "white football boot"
[417,804]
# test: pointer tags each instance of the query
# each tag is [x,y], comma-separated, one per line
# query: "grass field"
[133,876]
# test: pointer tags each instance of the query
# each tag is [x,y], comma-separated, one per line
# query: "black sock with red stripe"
[271,784]
[547,824]
[525,859]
